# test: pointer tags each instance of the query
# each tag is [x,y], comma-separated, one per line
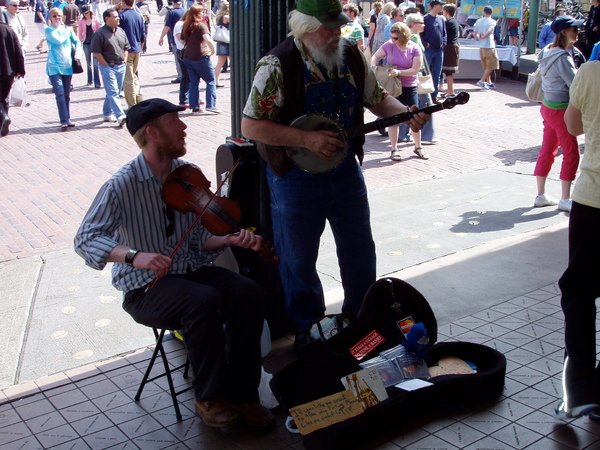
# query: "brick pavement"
[48,178]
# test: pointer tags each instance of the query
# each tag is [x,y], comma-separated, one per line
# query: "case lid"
[389,307]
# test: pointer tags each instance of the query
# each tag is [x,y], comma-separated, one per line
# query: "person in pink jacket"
[87,26]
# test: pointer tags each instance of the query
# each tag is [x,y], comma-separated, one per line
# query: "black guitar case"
[386,307]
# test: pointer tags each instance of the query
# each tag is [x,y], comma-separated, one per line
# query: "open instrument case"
[381,324]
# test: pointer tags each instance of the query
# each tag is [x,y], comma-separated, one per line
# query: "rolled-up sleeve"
[97,234]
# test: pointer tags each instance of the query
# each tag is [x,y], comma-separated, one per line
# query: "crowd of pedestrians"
[108,40]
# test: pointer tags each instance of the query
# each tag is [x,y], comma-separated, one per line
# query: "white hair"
[410,19]
[301,24]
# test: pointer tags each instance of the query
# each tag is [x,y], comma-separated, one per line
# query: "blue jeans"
[201,69]
[112,77]
[61,86]
[427,132]
[435,59]
[184,85]
[300,204]
[87,49]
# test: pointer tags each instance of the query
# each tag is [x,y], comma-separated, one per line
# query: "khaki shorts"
[489,59]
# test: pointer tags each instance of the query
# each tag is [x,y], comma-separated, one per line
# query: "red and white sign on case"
[366,344]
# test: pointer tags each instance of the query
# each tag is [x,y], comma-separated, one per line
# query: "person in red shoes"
[219,312]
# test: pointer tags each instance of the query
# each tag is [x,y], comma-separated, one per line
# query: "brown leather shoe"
[255,415]
[216,413]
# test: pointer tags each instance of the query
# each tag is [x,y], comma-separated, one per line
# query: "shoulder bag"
[533,88]
[221,34]
[425,80]
[76,54]
[392,85]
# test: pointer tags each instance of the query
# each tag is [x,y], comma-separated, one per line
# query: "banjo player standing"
[315,71]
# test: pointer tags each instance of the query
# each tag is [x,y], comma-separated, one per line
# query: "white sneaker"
[110,118]
[483,85]
[543,200]
[562,412]
[121,121]
[565,205]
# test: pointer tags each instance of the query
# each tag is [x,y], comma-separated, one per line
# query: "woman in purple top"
[406,58]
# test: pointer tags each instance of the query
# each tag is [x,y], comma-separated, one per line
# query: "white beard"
[331,60]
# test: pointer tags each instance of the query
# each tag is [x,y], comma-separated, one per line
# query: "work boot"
[255,415]
[216,413]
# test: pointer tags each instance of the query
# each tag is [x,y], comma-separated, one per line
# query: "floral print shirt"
[266,95]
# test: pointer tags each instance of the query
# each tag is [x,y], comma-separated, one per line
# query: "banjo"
[310,162]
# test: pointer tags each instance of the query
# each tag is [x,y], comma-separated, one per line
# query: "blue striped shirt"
[129,210]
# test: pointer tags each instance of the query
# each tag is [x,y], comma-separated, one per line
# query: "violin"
[187,189]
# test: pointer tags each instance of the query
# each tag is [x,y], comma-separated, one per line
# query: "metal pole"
[256,27]
[532,31]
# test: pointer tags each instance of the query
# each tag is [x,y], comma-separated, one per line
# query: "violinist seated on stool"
[130,224]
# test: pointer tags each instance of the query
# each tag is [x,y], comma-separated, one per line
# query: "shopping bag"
[18,94]
[392,85]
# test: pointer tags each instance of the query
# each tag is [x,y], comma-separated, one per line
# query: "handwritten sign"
[325,411]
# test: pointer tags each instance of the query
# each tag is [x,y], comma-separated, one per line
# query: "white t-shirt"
[483,25]
[585,96]
[177,31]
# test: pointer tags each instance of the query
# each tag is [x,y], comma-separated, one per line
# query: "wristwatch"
[130,256]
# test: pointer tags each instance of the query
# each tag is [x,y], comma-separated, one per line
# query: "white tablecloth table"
[469,52]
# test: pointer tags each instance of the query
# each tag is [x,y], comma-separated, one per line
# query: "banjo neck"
[310,162]
[378,124]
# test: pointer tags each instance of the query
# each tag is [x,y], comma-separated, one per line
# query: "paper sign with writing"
[325,411]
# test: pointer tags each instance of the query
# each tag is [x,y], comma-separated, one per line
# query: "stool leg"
[187,367]
[157,348]
[170,381]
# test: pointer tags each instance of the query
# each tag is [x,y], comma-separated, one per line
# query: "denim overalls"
[301,202]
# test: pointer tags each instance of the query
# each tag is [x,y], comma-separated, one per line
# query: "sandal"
[395,156]
[420,153]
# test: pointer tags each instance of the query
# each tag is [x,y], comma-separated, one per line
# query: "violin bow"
[197,219]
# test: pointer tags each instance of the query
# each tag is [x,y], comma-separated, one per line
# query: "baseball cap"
[563,22]
[328,12]
[437,2]
[142,113]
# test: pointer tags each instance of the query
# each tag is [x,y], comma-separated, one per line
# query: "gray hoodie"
[558,71]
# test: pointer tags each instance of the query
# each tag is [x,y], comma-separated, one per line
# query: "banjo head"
[307,160]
